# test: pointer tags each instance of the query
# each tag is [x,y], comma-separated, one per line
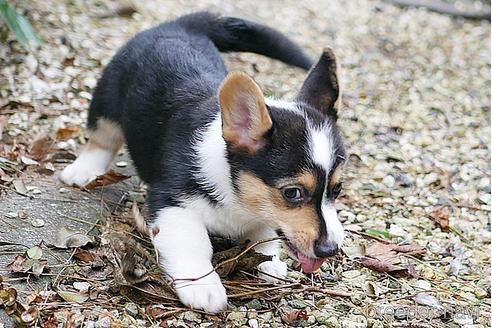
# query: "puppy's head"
[287,158]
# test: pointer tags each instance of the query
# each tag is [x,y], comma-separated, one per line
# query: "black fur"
[162,86]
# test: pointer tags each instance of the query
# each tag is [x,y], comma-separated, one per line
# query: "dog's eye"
[337,189]
[294,195]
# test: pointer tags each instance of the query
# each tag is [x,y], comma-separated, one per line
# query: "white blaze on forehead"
[321,147]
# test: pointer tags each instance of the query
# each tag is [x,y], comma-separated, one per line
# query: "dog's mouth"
[308,264]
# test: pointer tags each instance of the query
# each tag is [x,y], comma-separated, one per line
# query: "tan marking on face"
[336,176]
[308,180]
[300,224]
[107,135]
[240,97]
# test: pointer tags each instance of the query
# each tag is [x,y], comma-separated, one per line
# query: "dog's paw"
[271,269]
[81,172]
[207,294]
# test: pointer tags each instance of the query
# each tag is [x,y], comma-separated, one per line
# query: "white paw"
[90,164]
[75,174]
[273,268]
[206,294]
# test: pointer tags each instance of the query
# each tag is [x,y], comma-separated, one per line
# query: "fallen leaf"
[68,133]
[51,322]
[28,161]
[47,169]
[16,264]
[41,147]
[38,266]
[289,317]
[81,286]
[247,261]
[86,256]
[35,253]
[441,216]
[124,10]
[159,312]
[139,220]
[382,257]
[73,297]
[8,297]
[108,178]
[68,238]
[29,316]
[20,187]
[3,123]
[428,300]
[63,156]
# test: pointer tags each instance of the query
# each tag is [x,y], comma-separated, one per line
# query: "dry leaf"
[35,253]
[68,238]
[108,178]
[441,216]
[124,10]
[29,316]
[73,297]
[68,133]
[428,300]
[16,264]
[290,316]
[3,123]
[20,187]
[139,220]
[246,262]
[382,257]
[41,147]
[86,256]
[28,161]
[47,169]
[51,322]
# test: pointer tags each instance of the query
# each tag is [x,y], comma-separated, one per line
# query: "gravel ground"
[416,119]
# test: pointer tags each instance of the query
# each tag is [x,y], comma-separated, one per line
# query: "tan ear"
[245,118]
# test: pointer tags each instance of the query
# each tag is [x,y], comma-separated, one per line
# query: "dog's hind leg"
[105,138]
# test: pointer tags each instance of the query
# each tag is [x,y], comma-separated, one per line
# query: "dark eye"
[337,189]
[294,195]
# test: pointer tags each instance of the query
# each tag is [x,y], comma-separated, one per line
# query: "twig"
[442,7]
[368,236]
[232,259]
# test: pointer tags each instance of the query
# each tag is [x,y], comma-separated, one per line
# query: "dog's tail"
[235,34]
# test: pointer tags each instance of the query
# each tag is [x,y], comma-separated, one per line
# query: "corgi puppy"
[219,157]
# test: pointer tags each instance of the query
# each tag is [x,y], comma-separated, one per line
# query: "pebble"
[351,274]
[253,323]
[321,317]
[236,316]
[423,284]
[389,181]
[103,323]
[192,316]
[131,309]
[463,319]
[254,304]
[297,304]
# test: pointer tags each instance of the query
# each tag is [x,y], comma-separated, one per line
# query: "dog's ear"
[245,118]
[321,89]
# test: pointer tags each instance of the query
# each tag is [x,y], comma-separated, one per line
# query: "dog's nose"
[325,249]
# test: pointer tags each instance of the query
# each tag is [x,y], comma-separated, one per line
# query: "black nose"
[325,249]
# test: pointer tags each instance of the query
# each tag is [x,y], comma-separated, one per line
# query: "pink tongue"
[308,264]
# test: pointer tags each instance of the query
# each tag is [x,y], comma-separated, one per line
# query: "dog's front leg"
[275,267]
[185,252]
